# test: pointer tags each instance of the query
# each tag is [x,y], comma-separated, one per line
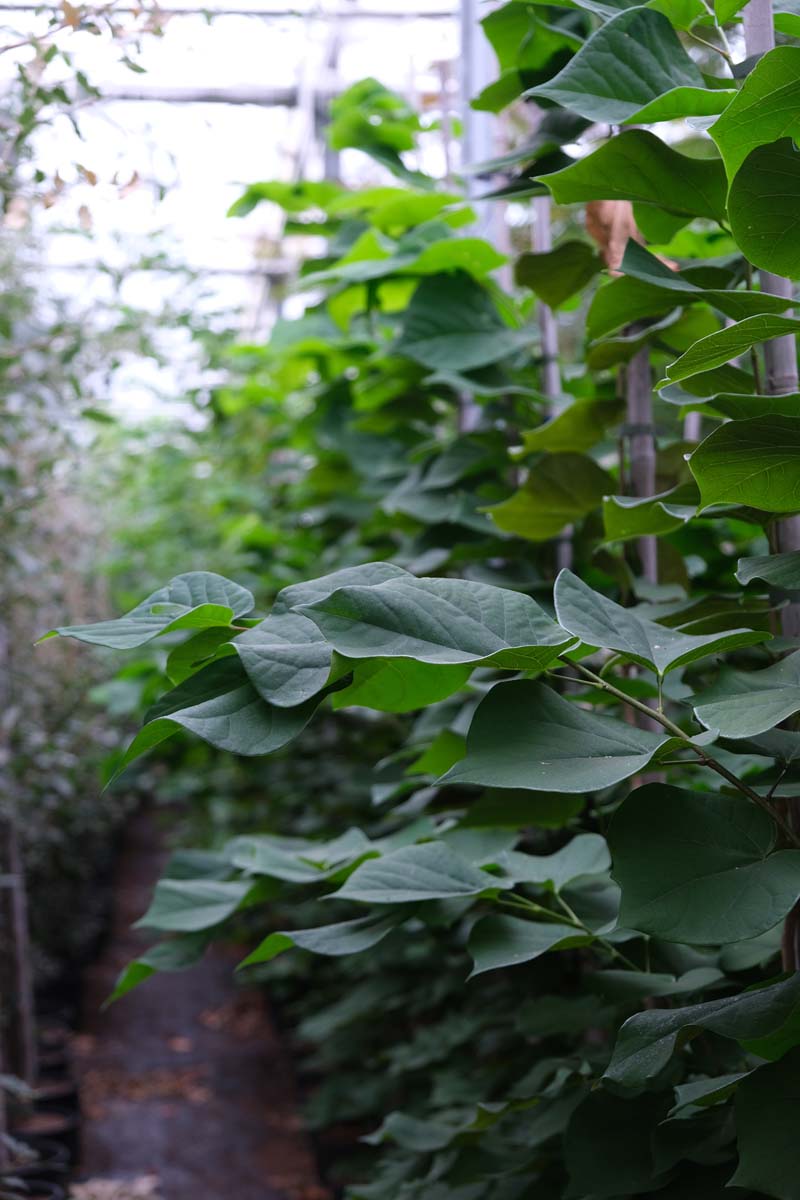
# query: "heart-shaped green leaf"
[699,867]
[333,941]
[190,905]
[648,59]
[452,323]
[286,658]
[598,621]
[524,735]
[555,275]
[561,489]
[401,684]
[497,942]
[628,517]
[765,109]
[745,703]
[222,707]
[639,166]
[762,206]
[720,347]
[769,1153]
[196,600]
[780,570]
[430,871]
[648,1040]
[367,575]
[439,621]
[755,463]
[576,428]
[585,855]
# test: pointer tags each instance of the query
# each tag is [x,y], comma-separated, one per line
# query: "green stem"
[706,759]
[717,49]
[571,920]
[607,946]
[529,906]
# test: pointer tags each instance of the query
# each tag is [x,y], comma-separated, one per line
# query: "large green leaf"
[606,353]
[430,871]
[762,205]
[698,867]
[639,166]
[452,323]
[648,61]
[221,706]
[737,407]
[196,600]
[576,428]
[766,1121]
[628,517]
[507,941]
[648,1040]
[755,463]
[190,905]
[524,735]
[557,274]
[779,570]
[765,109]
[745,703]
[333,941]
[439,621]
[728,343]
[561,489]
[286,658]
[639,264]
[367,575]
[401,684]
[598,621]
[296,860]
[585,855]
[174,954]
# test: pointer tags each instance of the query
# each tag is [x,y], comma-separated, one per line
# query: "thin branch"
[707,759]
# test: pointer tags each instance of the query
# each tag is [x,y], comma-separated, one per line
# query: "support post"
[642,447]
[548,333]
[780,355]
[13,900]
[780,361]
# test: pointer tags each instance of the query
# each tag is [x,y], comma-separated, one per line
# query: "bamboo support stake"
[548,332]
[642,446]
[780,355]
[780,361]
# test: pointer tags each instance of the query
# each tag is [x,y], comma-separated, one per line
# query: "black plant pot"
[57,1091]
[54,1124]
[49,1160]
[35,1189]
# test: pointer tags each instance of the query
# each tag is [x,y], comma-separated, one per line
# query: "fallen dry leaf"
[102,1086]
[181,1045]
[243,1016]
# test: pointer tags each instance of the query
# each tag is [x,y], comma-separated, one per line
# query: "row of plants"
[523,861]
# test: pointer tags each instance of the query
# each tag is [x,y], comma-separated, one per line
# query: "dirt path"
[185,1087]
